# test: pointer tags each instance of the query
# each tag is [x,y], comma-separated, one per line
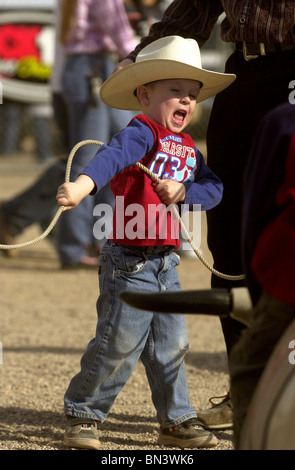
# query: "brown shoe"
[187,435]
[220,416]
[82,436]
[6,238]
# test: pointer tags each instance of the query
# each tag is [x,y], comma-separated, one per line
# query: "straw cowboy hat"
[166,58]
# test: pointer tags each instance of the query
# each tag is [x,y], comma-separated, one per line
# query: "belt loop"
[262,48]
[248,57]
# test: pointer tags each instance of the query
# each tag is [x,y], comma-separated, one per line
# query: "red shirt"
[140,218]
[273,261]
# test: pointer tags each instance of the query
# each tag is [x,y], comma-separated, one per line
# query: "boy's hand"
[170,191]
[70,195]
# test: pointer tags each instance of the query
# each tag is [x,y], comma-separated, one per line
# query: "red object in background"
[18,40]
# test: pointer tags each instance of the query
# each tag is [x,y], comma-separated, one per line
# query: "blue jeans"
[124,335]
[86,121]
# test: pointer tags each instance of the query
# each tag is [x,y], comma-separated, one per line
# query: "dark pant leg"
[37,203]
[261,85]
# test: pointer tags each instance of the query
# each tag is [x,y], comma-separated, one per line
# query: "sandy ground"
[47,318]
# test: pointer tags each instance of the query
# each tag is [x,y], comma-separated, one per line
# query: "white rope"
[152,175]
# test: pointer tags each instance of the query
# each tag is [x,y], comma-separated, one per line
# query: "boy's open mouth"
[179,116]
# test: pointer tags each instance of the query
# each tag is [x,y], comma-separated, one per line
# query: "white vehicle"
[25,66]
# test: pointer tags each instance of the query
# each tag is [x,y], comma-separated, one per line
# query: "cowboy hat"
[166,58]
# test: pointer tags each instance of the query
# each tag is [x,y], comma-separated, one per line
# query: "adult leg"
[261,85]
[37,204]
[251,353]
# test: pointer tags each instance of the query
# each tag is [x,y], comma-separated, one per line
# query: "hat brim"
[118,90]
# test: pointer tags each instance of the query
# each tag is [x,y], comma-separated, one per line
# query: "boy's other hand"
[170,191]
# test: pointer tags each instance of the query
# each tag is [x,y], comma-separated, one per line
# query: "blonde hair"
[67,18]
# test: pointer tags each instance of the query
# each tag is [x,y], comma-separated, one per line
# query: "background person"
[268,253]
[94,34]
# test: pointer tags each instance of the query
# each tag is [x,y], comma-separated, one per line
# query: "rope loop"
[152,175]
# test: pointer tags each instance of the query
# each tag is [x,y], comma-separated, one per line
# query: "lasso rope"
[152,175]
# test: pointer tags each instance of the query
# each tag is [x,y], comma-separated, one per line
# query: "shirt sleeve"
[274,254]
[268,218]
[125,149]
[263,176]
[207,188]
[187,18]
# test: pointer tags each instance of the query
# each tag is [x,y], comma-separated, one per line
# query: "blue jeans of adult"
[89,118]
[125,334]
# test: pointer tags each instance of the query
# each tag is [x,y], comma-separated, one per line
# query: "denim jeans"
[125,334]
[86,122]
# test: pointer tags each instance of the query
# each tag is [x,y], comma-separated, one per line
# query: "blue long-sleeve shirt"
[168,155]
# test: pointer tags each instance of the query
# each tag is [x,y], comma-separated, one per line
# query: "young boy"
[165,82]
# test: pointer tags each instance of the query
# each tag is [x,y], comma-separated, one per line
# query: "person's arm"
[188,18]
[268,223]
[125,149]
[206,190]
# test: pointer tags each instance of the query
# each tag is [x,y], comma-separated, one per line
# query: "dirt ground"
[47,318]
